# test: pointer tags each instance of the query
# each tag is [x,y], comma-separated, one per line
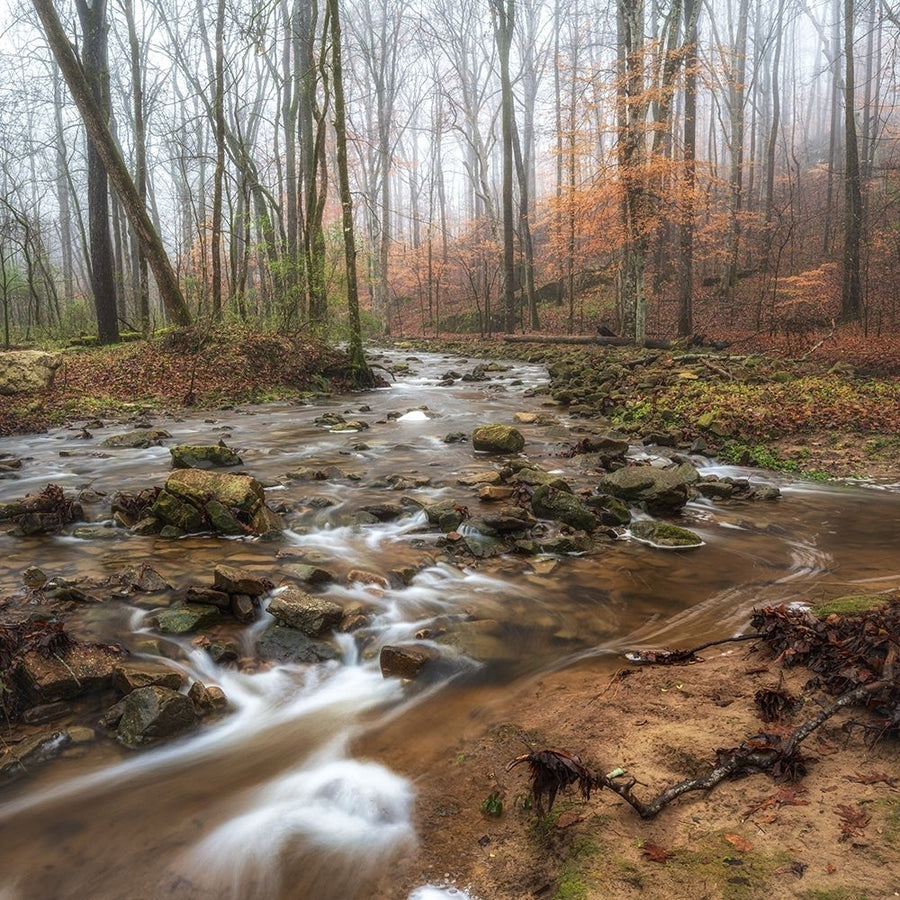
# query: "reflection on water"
[268,802]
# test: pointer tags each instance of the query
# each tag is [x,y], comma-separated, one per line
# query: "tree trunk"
[503,14]
[851,293]
[686,236]
[101,140]
[95,71]
[360,373]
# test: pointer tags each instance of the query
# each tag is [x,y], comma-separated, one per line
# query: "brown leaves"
[845,651]
[655,853]
[739,843]
[853,820]
[786,795]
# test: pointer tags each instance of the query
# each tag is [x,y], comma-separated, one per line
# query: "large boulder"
[659,489]
[23,371]
[311,615]
[196,500]
[497,439]
[152,713]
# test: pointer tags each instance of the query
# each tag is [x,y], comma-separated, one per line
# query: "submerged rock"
[139,439]
[661,534]
[280,643]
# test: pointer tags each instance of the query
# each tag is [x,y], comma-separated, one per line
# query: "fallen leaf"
[655,853]
[795,868]
[568,818]
[872,779]
[830,869]
[739,843]
[853,820]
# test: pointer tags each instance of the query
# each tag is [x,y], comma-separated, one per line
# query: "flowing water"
[270,801]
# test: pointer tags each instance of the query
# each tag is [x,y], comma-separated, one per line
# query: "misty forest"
[652,168]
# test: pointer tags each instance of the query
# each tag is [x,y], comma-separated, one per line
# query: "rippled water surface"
[270,802]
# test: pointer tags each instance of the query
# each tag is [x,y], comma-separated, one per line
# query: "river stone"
[207,596]
[198,486]
[446,514]
[177,513]
[138,439]
[478,478]
[152,713]
[79,670]
[609,510]
[282,644]
[661,534]
[20,758]
[206,698]
[308,574]
[561,506]
[658,488]
[482,639]
[497,439]
[130,676]
[503,520]
[223,519]
[308,614]
[240,581]
[23,371]
[188,618]
[494,493]
[202,456]
[531,475]
[406,662]
[243,608]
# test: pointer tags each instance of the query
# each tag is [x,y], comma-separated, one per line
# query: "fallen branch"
[554,770]
[676,657]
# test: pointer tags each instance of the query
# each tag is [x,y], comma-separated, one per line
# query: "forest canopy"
[511,165]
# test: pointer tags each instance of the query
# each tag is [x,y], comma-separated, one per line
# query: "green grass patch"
[849,605]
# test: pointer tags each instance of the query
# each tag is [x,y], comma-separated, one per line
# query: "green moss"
[834,894]
[850,604]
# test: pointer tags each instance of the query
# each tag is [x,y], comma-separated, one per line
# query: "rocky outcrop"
[24,371]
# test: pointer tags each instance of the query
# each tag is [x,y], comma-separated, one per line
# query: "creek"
[275,800]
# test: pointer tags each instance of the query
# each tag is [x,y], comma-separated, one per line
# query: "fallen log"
[585,339]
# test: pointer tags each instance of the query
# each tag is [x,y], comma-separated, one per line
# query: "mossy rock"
[196,456]
[498,439]
[663,535]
